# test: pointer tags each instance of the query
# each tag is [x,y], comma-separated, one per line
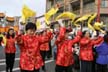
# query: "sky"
[14,7]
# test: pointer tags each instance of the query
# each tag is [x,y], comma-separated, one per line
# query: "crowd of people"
[90,49]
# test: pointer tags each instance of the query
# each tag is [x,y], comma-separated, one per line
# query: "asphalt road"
[50,64]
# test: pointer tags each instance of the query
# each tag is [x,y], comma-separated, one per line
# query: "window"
[104,18]
[104,3]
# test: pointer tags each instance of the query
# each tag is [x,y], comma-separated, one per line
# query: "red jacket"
[45,46]
[10,45]
[86,46]
[64,49]
[30,57]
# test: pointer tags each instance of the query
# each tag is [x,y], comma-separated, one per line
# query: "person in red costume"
[10,50]
[64,60]
[44,47]
[86,51]
[30,57]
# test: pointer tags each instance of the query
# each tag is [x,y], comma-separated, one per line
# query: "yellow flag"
[38,24]
[90,20]
[27,12]
[92,17]
[4,39]
[85,17]
[91,27]
[51,12]
[66,15]
[98,26]
[23,19]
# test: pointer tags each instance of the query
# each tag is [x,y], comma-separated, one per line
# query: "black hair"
[106,38]
[30,25]
[8,35]
[97,33]
[67,31]
[84,32]
[1,38]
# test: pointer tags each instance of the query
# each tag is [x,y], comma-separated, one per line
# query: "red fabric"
[64,49]
[10,46]
[86,45]
[45,46]
[30,57]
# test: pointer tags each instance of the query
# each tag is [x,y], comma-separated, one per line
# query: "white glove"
[61,23]
[94,34]
[101,34]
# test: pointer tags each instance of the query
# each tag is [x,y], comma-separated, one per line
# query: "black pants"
[10,58]
[44,55]
[49,55]
[30,71]
[63,69]
[86,66]
[101,68]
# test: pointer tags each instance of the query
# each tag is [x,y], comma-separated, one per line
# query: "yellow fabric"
[97,26]
[90,20]
[51,12]
[4,39]
[66,15]
[85,17]
[26,13]
[23,19]
[38,24]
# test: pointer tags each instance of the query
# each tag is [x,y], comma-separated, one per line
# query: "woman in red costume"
[30,57]
[10,49]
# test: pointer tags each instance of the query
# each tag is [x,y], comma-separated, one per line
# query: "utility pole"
[81,11]
[98,10]
[64,5]
[81,7]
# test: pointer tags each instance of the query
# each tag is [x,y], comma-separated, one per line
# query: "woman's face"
[44,33]
[30,31]
[87,34]
[11,32]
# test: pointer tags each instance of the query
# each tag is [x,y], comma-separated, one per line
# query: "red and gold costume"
[86,48]
[64,49]
[45,46]
[10,45]
[30,57]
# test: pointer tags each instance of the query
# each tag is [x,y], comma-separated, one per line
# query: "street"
[50,65]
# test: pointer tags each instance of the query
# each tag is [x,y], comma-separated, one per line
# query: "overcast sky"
[13,7]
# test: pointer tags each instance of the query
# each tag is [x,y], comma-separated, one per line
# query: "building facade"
[6,22]
[81,7]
